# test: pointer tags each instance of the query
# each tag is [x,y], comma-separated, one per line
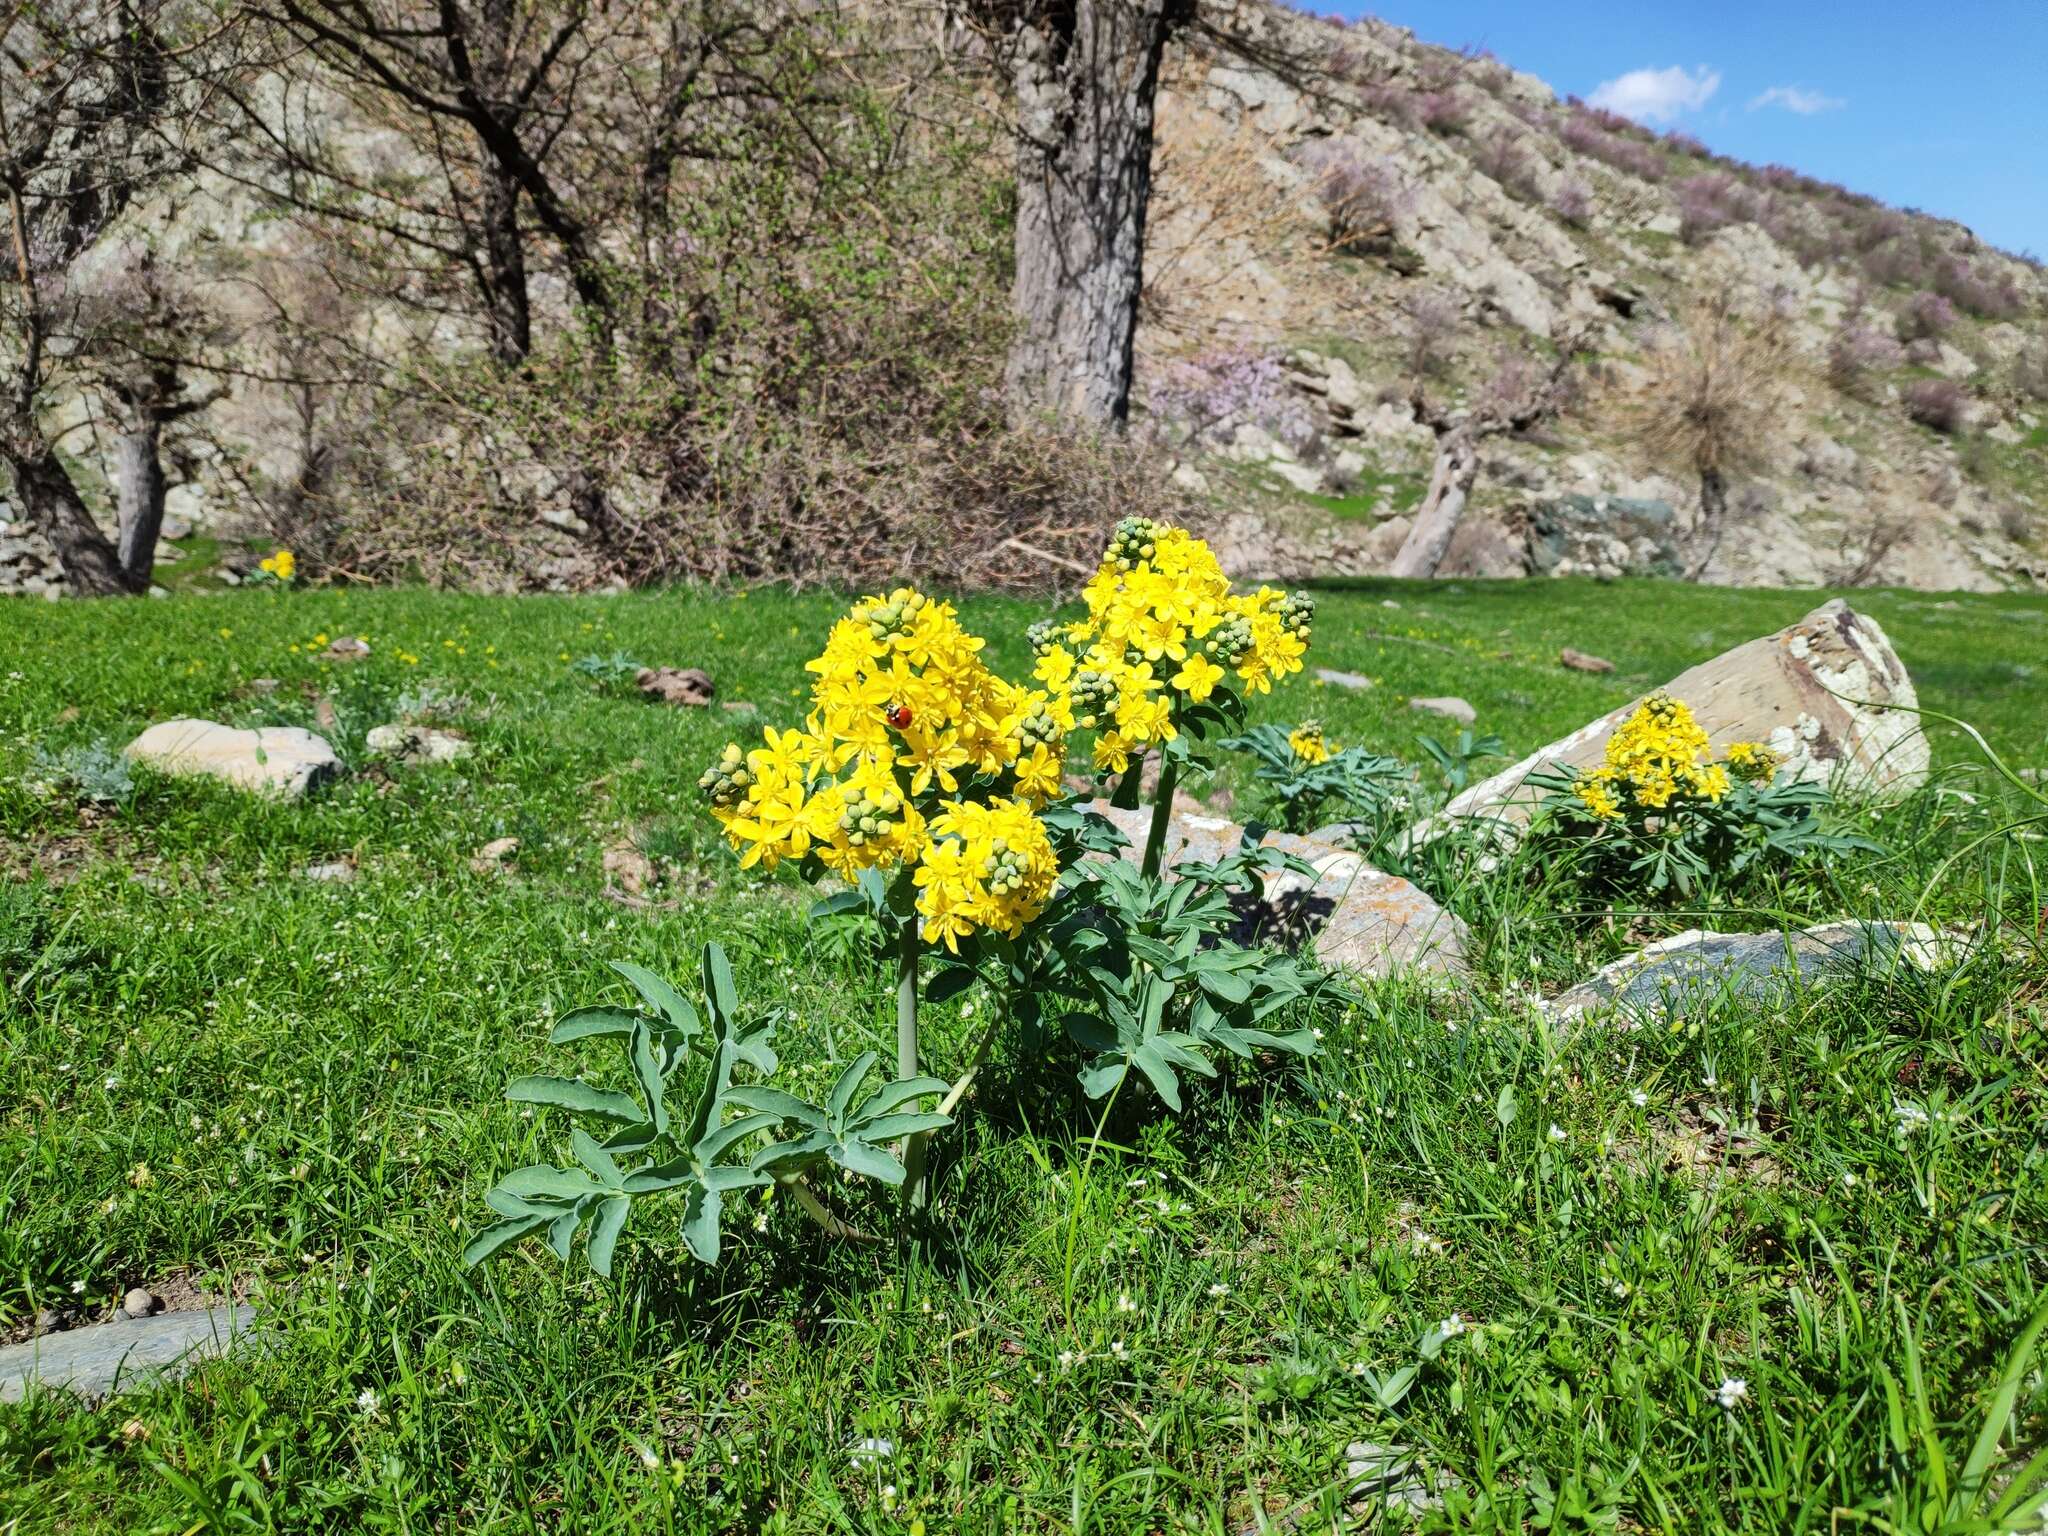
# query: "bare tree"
[1717,395]
[1518,397]
[84,91]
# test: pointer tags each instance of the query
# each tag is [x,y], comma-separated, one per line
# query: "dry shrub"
[1936,403]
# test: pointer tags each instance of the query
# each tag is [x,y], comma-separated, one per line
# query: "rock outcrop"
[1828,693]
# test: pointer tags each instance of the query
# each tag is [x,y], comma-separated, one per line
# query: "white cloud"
[1797,98]
[1657,95]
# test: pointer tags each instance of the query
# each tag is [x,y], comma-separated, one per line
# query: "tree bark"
[139,498]
[1436,520]
[1085,78]
[91,564]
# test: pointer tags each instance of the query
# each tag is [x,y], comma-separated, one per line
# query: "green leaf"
[593,1023]
[888,1127]
[1103,1077]
[604,1233]
[890,1095]
[718,1142]
[595,1158]
[576,1095]
[870,1162]
[562,1231]
[700,1222]
[718,987]
[849,1084]
[542,1182]
[785,1106]
[1506,1106]
[838,904]
[498,1235]
[950,982]
[648,1071]
[1159,1073]
[661,997]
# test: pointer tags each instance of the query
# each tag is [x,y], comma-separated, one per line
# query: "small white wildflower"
[649,1457]
[1848,1181]
[1908,1118]
[1219,1289]
[1066,1359]
[1317,1033]
[78,1287]
[1137,1183]
[1731,1392]
[368,1403]
[1117,1348]
[1358,1367]
[1125,1304]
[1556,1131]
[1452,1326]
[1619,1287]
[1639,1098]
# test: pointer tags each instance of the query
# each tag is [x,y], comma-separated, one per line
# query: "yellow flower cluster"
[1753,762]
[283,565]
[914,753]
[1309,743]
[1163,627]
[1657,756]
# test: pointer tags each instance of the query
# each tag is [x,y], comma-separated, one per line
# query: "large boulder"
[1356,918]
[1829,693]
[285,761]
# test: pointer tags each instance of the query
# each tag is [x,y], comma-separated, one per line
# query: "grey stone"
[418,744]
[1390,1475]
[285,761]
[1579,534]
[1357,918]
[1580,661]
[1762,968]
[1450,708]
[96,1362]
[1357,682]
[138,1303]
[49,1320]
[337,873]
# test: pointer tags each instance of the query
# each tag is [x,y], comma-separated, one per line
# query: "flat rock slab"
[98,1361]
[1357,682]
[285,761]
[1357,918]
[1828,693]
[1450,708]
[1697,966]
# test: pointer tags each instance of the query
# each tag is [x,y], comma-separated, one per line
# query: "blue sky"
[1938,107]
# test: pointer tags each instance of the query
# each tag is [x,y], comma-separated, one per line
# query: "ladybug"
[898,715]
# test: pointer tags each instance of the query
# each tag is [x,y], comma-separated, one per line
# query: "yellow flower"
[1596,790]
[1198,677]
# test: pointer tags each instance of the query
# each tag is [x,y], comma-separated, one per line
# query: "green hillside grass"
[212,1066]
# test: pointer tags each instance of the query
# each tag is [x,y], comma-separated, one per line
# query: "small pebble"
[138,1303]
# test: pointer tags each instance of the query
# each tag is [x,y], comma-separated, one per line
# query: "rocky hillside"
[1400,216]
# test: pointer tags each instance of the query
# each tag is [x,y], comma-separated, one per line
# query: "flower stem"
[1162,812]
[906,1054]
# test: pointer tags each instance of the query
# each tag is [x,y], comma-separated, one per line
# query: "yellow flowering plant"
[919,776]
[1166,657]
[1308,778]
[1662,813]
[281,567]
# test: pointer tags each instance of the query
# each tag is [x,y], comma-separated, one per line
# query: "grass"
[311,1073]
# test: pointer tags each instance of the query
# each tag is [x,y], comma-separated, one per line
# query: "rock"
[629,869]
[1577,535]
[285,761]
[494,855]
[1189,478]
[1579,661]
[174,529]
[740,707]
[49,1320]
[139,1303]
[671,685]
[1450,708]
[418,744]
[1357,682]
[345,648]
[263,685]
[1661,980]
[1392,1475]
[337,873]
[1819,691]
[1359,918]
[96,1362]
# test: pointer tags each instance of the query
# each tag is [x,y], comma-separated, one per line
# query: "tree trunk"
[1436,520]
[1713,520]
[1085,77]
[91,564]
[504,269]
[139,492]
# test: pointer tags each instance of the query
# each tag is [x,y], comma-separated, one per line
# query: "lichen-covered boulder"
[285,761]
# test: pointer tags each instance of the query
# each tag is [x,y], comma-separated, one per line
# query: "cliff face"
[1402,216]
